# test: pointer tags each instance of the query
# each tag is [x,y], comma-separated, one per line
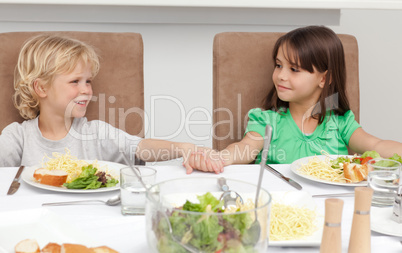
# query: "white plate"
[113,169]
[40,224]
[294,167]
[299,199]
[381,221]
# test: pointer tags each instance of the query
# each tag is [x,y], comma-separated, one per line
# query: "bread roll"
[74,248]
[38,174]
[103,249]
[355,172]
[51,177]
[51,248]
[27,246]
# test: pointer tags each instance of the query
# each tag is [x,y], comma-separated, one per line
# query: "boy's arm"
[151,150]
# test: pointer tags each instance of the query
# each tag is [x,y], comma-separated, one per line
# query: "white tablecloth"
[105,225]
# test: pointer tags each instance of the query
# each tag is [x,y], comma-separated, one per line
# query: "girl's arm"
[243,152]
[361,141]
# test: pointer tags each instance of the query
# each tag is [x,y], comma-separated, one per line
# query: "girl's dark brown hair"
[319,47]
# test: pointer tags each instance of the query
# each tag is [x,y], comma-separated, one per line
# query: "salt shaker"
[331,237]
[360,235]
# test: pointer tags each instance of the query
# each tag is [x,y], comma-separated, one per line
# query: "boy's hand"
[206,160]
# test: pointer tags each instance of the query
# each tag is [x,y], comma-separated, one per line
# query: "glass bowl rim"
[212,213]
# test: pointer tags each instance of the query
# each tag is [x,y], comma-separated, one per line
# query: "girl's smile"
[282,88]
[294,84]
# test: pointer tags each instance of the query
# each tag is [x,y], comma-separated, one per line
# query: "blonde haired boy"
[53,87]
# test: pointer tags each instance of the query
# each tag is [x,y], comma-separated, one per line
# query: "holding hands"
[204,159]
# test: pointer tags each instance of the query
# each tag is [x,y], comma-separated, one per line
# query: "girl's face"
[70,93]
[294,84]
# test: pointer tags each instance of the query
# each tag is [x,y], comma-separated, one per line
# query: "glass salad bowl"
[187,215]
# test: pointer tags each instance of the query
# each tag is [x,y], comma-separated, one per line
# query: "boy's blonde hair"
[42,57]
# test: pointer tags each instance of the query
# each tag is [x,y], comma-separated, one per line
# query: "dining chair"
[242,77]
[118,89]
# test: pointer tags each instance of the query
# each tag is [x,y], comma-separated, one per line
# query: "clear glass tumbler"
[383,178]
[133,193]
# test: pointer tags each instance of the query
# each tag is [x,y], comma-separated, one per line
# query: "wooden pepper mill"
[331,237]
[360,235]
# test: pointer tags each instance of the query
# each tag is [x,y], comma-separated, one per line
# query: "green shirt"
[288,143]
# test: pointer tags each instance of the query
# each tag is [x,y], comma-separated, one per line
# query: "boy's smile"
[69,94]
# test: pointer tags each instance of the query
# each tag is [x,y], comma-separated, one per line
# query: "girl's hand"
[206,160]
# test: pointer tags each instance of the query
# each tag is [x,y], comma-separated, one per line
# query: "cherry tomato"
[365,160]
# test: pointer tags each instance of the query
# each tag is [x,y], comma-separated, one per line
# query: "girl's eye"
[75,81]
[89,81]
[295,69]
[277,65]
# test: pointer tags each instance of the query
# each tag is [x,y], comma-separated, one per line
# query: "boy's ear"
[39,88]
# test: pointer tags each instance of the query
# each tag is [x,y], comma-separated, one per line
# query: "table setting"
[100,220]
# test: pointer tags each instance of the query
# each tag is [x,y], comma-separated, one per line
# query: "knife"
[345,194]
[15,184]
[281,176]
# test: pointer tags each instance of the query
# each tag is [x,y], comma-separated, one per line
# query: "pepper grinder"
[331,237]
[360,235]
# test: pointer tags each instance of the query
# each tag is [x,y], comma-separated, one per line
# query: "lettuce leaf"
[86,180]
[385,163]
[111,182]
[205,200]
[396,157]
[342,159]
[83,183]
[203,231]
[373,154]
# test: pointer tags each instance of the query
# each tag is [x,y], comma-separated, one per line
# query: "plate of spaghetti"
[319,169]
[295,220]
[66,173]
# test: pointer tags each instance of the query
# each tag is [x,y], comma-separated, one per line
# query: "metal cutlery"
[281,176]
[344,194]
[15,184]
[255,228]
[229,197]
[110,202]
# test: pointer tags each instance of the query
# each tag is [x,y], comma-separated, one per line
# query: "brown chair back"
[118,89]
[242,78]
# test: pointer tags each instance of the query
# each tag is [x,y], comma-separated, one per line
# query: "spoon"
[229,197]
[254,231]
[110,202]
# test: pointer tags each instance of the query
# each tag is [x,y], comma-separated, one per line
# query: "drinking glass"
[132,191]
[383,178]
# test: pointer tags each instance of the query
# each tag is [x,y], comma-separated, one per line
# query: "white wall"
[178,55]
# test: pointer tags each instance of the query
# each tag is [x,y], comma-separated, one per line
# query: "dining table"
[100,224]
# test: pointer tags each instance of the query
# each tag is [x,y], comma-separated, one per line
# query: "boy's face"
[69,94]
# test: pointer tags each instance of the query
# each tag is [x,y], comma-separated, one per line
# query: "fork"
[110,202]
